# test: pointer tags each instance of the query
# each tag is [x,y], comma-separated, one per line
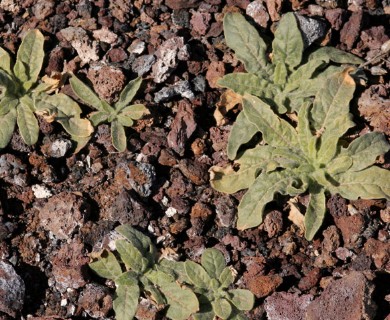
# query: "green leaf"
[134,111]
[307,141]
[85,93]
[128,93]
[7,84]
[365,149]
[132,258]
[80,142]
[332,54]
[98,117]
[27,123]
[242,132]
[243,38]
[242,299]
[5,61]
[226,278]
[118,136]
[8,103]
[315,212]
[197,275]
[304,72]
[280,74]
[182,301]
[339,164]
[369,183]
[213,262]
[128,278]
[125,121]
[158,277]
[7,126]
[107,266]
[276,131]
[242,83]
[137,239]
[126,301]
[30,56]
[288,43]
[222,308]
[332,101]
[251,207]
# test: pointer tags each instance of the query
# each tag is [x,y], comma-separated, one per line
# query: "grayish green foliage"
[211,281]
[143,274]
[120,115]
[309,157]
[287,79]
[22,96]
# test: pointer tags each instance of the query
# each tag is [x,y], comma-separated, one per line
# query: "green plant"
[211,281]
[120,115]
[143,273]
[310,157]
[284,79]
[22,96]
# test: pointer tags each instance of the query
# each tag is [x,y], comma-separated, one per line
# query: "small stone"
[310,279]
[199,83]
[43,8]
[262,286]
[215,71]
[180,88]
[351,228]
[137,47]
[143,64]
[379,252]
[273,223]
[181,4]
[117,55]
[343,253]
[336,17]
[346,298]
[200,23]
[287,306]
[258,12]
[105,35]
[312,29]
[59,148]
[181,18]
[95,300]
[351,30]
[12,170]
[194,170]
[41,191]
[12,290]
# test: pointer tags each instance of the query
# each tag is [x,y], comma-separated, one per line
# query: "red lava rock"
[287,306]
[351,228]
[238,3]
[346,298]
[70,213]
[146,310]
[362,262]
[56,61]
[336,17]
[374,105]
[182,127]
[379,252]
[194,170]
[273,223]
[385,215]
[120,9]
[215,71]
[43,9]
[343,253]
[181,4]
[167,158]
[107,82]
[180,186]
[68,266]
[310,280]
[274,7]
[95,300]
[258,12]
[254,266]
[262,286]
[225,210]
[117,55]
[200,22]
[351,30]
[198,147]
[12,290]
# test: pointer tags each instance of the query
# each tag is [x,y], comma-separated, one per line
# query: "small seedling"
[283,79]
[120,115]
[143,275]
[310,157]
[22,96]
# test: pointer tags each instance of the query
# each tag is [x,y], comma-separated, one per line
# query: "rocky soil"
[57,207]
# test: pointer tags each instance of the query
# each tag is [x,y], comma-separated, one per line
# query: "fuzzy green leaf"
[80,142]
[333,54]
[158,277]
[107,267]
[30,57]
[226,278]
[304,72]
[307,141]
[8,103]
[126,301]
[332,101]
[27,122]
[130,255]
[339,164]
[251,207]
[7,126]
[98,117]
[365,149]
[222,308]
[242,299]
[213,262]
[125,120]
[242,132]
[85,93]
[137,239]
[315,212]
[7,84]
[280,73]
[369,183]
[248,46]
[182,301]
[197,275]
[118,136]
[288,43]
[134,111]
[5,61]
[242,83]
[128,93]
[276,131]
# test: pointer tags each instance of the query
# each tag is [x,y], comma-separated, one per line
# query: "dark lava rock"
[312,29]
